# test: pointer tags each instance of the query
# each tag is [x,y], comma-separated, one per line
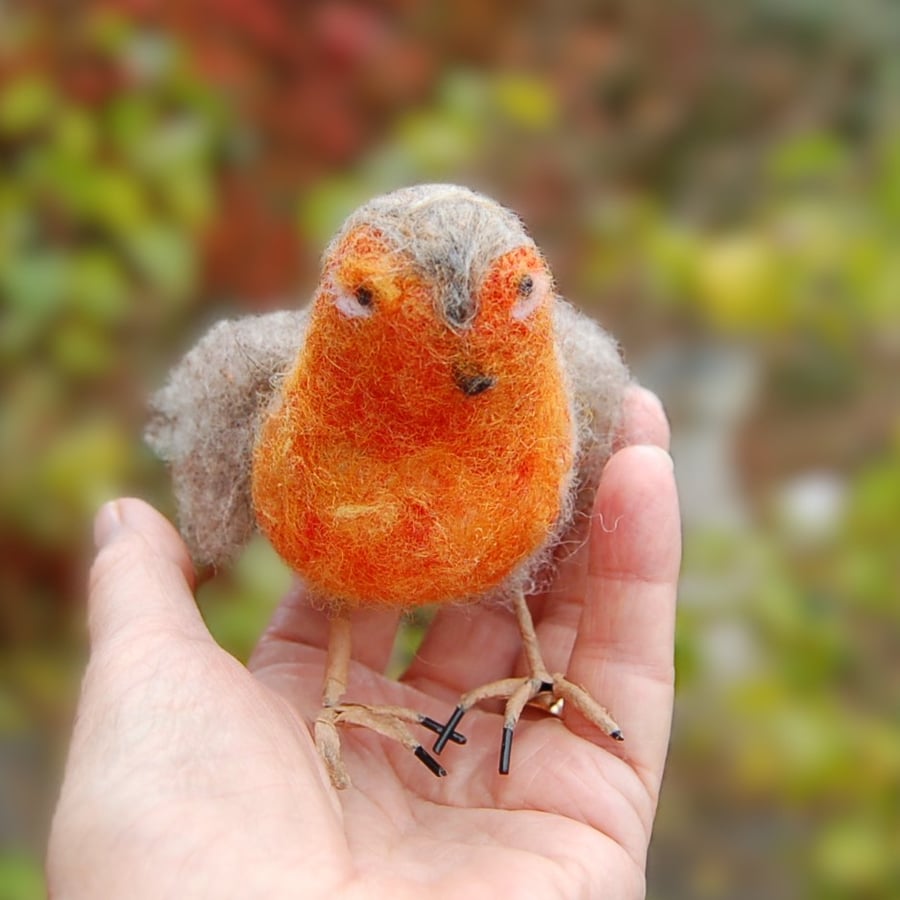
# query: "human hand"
[190,775]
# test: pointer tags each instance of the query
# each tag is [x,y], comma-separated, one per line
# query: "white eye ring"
[530,297]
[355,304]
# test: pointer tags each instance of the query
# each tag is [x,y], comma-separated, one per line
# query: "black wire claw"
[447,731]
[438,728]
[429,761]
[506,748]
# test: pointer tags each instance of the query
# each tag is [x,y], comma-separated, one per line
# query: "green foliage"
[813,727]
[816,257]
[474,116]
[20,877]
[102,201]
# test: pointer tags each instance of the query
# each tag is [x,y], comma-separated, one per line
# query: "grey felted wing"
[597,378]
[204,423]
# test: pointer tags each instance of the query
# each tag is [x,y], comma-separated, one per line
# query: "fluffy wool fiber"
[204,423]
[426,434]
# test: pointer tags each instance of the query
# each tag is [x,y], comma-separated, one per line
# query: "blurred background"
[718,183]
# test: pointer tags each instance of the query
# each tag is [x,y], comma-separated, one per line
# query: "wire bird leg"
[390,721]
[538,688]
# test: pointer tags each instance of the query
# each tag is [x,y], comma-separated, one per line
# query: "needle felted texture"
[383,482]
[204,424]
[427,435]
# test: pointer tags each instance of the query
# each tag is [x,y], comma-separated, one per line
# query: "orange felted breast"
[379,480]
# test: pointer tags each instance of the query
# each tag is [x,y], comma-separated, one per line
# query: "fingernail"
[654,450]
[107,522]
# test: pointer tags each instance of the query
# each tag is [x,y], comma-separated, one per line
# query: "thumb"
[142,577]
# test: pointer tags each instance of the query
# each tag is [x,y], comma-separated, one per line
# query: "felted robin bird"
[426,432]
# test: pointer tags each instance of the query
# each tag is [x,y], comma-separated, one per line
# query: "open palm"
[190,775]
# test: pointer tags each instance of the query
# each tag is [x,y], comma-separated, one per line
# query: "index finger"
[558,612]
[623,652]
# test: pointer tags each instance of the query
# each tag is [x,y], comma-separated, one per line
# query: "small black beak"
[473,383]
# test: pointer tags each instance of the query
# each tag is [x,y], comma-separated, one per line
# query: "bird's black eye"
[364,295]
[526,286]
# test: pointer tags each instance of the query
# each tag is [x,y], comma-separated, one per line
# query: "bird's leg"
[337,668]
[538,688]
[390,721]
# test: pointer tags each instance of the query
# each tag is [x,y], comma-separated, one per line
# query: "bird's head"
[433,302]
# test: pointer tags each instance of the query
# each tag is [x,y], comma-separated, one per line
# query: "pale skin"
[190,775]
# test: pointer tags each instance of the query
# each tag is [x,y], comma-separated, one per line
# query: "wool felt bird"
[426,432]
